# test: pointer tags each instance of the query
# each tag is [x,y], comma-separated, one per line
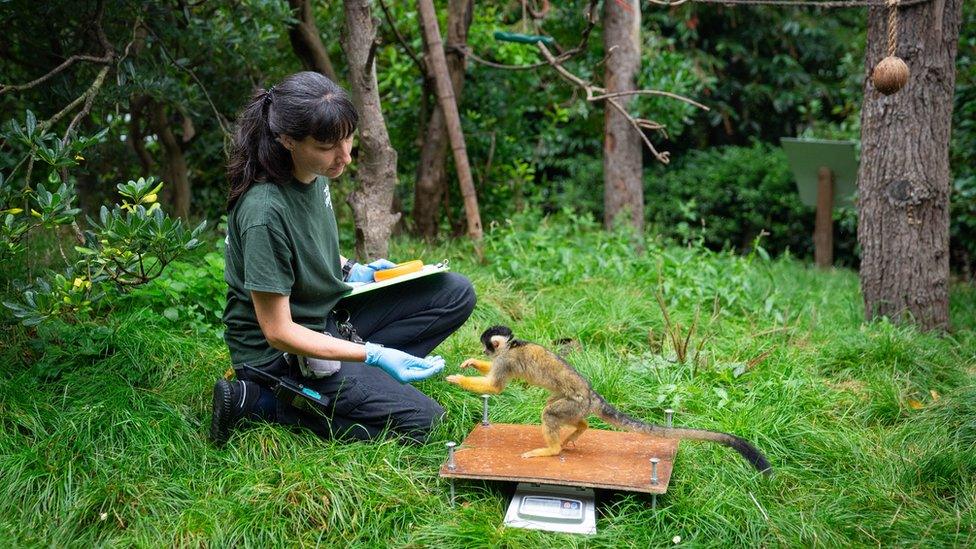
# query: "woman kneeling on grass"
[286,278]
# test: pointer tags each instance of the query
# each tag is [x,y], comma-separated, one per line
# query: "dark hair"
[303,104]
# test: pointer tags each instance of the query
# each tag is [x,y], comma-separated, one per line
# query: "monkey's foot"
[542,452]
[581,426]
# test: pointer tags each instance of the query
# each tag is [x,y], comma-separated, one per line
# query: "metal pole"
[484,411]
[451,465]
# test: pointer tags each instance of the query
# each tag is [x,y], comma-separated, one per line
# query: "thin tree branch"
[220,118]
[403,41]
[88,96]
[91,93]
[596,93]
[537,14]
[465,51]
[371,56]
[662,157]
[651,92]
[572,78]
[83,98]
[4,88]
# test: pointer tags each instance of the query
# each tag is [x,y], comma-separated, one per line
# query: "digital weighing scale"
[537,506]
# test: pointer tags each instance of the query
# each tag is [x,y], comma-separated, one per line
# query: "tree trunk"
[623,187]
[306,41]
[903,225]
[432,170]
[445,97]
[137,107]
[174,166]
[372,201]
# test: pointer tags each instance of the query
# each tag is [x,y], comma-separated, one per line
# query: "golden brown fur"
[571,400]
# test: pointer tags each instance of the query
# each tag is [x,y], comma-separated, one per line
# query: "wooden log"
[437,63]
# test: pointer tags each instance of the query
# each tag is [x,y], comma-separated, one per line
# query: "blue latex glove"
[364,273]
[401,366]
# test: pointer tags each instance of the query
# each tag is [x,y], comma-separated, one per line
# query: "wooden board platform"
[600,459]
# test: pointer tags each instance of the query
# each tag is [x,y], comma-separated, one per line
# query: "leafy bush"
[129,244]
[727,197]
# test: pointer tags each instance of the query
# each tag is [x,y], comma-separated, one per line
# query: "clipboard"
[427,270]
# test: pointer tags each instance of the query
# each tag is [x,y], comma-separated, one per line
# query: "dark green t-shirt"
[281,239]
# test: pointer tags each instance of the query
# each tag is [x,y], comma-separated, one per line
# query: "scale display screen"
[551,508]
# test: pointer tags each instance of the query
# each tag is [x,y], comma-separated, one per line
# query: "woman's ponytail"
[256,154]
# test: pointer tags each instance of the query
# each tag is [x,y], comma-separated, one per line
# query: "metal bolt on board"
[450,455]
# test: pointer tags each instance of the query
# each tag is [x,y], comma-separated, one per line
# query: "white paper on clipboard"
[427,270]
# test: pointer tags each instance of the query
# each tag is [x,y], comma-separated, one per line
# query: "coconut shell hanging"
[891,73]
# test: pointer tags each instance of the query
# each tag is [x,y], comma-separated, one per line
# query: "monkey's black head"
[495,337]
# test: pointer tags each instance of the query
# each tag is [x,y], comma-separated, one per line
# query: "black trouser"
[413,317]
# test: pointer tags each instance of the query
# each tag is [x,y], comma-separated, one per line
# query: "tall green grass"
[871,427]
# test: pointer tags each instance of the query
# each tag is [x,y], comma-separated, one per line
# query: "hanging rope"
[892,26]
[891,73]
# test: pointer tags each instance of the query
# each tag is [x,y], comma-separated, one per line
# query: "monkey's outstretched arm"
[487,384]
[482,366]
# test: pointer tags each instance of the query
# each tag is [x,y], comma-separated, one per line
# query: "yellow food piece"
[400,270]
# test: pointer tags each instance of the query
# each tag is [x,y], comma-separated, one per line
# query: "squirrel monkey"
[572,400]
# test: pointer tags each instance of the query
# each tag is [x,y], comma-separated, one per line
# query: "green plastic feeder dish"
[523,38]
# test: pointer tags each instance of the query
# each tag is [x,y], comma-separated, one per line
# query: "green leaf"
[13,306]
[199,229]
[171,313]
[31,123]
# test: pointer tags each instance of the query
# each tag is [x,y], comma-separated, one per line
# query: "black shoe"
[231,401]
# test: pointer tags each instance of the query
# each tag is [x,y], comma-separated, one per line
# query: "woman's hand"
[401,366]
[365,273]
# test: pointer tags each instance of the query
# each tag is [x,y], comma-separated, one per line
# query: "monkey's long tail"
[615,417]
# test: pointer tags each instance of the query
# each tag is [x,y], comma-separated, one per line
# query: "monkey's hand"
[455,379]
[482,366]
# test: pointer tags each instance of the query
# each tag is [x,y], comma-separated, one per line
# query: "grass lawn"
[871,428]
